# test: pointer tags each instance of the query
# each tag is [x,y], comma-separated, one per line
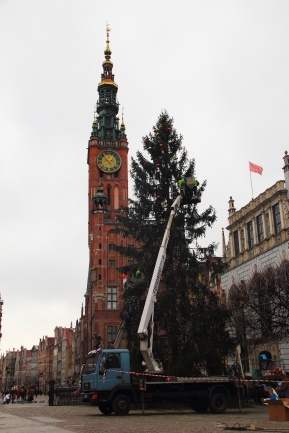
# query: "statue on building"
[98,340]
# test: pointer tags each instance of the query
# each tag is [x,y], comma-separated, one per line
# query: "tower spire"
[94,123]
[122,126]
[107,76]
[106,124]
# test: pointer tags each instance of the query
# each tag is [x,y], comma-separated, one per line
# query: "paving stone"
[33,418]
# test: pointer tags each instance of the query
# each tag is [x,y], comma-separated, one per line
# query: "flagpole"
[251,185]
[256,169]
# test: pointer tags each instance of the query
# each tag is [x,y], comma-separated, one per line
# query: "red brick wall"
[100,234]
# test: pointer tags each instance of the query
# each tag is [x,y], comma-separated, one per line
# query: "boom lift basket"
[189,196]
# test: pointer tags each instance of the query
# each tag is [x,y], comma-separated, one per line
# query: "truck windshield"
[91,361]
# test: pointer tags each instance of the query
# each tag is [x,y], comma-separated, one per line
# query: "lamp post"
[7,373]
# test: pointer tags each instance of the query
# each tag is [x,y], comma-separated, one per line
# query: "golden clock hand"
[106,157]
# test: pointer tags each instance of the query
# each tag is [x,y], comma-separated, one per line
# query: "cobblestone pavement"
[39,417]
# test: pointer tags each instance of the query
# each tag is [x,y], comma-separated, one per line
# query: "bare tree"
[260,307]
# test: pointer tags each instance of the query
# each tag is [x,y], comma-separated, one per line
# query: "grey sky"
[220,68]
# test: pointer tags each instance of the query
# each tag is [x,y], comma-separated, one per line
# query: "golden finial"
[107,51]
[107,31]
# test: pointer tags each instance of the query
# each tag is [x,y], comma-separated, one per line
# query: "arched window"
[108,194]
[116,197]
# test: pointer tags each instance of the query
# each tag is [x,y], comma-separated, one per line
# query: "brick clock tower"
[107,191]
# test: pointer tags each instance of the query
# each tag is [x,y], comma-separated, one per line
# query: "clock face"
[109,161]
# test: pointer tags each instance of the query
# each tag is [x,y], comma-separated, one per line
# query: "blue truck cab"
[106,380]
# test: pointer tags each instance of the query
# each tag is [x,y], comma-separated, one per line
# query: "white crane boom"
[148,311]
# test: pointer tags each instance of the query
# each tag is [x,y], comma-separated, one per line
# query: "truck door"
[110,372]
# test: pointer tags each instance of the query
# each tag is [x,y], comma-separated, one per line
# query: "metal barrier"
[68,396]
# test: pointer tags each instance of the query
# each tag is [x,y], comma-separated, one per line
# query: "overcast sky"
[220,69]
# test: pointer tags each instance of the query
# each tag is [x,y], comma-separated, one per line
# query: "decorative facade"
[258,238]
[45,363]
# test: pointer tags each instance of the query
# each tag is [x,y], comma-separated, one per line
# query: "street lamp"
[7,372]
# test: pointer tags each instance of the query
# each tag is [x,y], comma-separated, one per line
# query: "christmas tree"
[184,305]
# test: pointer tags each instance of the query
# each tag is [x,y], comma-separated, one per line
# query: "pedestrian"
[51,396]
[23,394]
[272,394]
[98,340]
[18,395]
[13,396]
[7,398]
[30,395]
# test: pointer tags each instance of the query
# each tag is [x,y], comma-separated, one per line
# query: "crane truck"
[108,382]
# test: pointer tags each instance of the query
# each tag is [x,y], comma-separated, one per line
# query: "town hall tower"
[107,192]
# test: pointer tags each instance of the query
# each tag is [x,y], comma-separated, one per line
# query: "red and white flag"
[255,168]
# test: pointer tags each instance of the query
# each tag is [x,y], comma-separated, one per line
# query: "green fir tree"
[185,338]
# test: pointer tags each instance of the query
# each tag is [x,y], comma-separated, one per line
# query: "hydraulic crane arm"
[147,315]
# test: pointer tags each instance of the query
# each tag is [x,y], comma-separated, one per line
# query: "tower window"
[260,228]
[111,247]
[111,333]
[112,263]
[277,218]
[111,298]
[93,276]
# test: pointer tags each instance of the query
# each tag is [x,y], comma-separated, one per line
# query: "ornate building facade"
[258,238]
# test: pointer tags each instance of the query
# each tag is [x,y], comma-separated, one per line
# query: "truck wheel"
[106,409]
[219,403]
[121,405]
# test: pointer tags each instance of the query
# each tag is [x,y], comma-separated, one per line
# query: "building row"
[56,359]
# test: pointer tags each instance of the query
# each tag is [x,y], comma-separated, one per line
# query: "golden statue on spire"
[122,121]
[107,31]
[107,50]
